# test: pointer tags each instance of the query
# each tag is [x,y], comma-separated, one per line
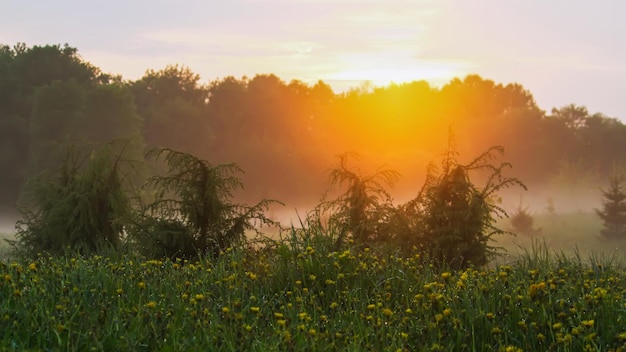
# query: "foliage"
[360,208]
[613,212]
[83,205]
[192,212]
[453,220]
[347,300]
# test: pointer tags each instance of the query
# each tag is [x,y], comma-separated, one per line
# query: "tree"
[523,222]
[173,106]
[360,208]
[192,212]
[456,219]
[613,212]
[84,204]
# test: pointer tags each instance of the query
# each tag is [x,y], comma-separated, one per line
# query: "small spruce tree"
[613,212]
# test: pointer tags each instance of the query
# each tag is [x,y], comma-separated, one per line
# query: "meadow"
[298,294]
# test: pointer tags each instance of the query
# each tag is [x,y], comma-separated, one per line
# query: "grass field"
[299,296]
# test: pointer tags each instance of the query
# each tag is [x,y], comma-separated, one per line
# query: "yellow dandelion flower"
[387,312]
[312,332]
[278,315]
[371,306]
[32,267]
[496,330]
[141,285]
[588,323]
[151,304]
[334,305]
[557,326]
[248,328]
[281,322]
[255,309]
[199,297]
[225,310]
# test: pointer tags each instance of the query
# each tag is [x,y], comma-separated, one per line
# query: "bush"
[451,219]
[82,205]
[192,212]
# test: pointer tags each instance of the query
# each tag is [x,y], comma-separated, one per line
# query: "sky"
[562,51]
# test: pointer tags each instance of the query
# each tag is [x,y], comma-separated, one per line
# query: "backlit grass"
[299,296]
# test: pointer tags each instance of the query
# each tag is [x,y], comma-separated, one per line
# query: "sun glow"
[385,72]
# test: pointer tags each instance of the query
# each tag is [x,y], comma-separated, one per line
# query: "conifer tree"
[613,212]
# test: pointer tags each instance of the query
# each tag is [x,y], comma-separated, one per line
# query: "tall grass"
[302,294]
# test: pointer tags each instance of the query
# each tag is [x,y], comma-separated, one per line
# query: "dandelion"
[255,309]
[141,285]
[32,267]
[199,297]
[371,306]
[225,310]
[588,323]
[387,312]
[281,322]
[151,304]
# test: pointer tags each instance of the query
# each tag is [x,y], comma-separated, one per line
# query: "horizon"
[562,52]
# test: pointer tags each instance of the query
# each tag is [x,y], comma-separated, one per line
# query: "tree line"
[285,134]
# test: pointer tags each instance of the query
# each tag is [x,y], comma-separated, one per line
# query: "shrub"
[192,211]
[83,204]
[361,208]
[451,219]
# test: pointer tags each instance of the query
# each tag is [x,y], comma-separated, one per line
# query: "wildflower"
[225,310]
[141,285]
[496,331]
[32,267]
[281,322]
[151,304]
[278,315]
[255,309]
[248,328]
[312,332]
[199,297]
[557,326]
[588,323]
[622,336]
[371,306]
[387,312]
[333,305]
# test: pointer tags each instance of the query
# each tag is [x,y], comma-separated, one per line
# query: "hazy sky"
[563,51]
